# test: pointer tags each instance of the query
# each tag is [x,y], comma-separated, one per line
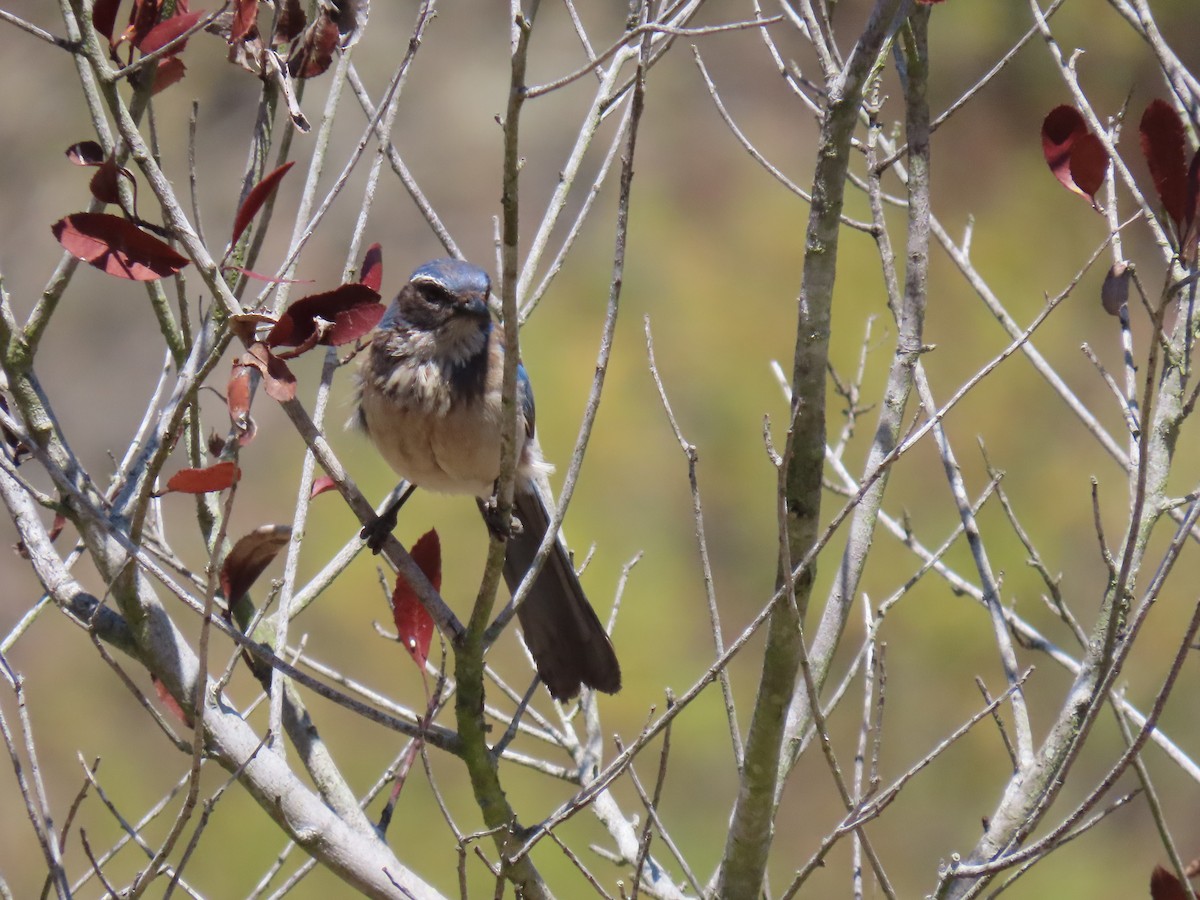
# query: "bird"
[429,399]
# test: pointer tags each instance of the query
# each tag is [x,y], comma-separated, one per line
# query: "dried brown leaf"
[1114,293]
[249,558]
[312,52]
[245,18]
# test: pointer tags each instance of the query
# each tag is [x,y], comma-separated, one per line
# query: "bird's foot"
[492,518]
[376,532]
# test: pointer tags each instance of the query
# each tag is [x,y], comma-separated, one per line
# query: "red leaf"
[142,20]
[1191,230]
[1165,886]
[1064,135]
[1060,129]
[351,311]
[104,185]
[414,626]
[86,153]
[250,557]
[167,30]
[1089,164]
[170,71]
[321,485]
[280,383]
[372,268]
[352,324]
[164,697]
[427,553]
[203,481]
[1163,144]
[245,15]
[256,198]
[117,246]
[104,17]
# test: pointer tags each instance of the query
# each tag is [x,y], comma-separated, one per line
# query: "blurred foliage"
[714,261]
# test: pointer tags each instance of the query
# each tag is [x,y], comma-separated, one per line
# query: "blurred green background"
[714,262]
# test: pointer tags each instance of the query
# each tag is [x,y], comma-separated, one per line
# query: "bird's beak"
[476,306]
[389,317]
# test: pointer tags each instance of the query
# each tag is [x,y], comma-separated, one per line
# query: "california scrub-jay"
[430,400]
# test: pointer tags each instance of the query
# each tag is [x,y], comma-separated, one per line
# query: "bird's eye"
[437,295]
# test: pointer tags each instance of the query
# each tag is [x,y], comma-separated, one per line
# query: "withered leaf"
[249,558]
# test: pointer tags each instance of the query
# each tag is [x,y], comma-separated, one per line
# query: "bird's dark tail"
[562,631]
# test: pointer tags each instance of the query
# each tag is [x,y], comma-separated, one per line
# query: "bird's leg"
[377,531]
[490,510]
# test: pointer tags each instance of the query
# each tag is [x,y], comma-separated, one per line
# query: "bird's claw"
[376,532]
[491,516]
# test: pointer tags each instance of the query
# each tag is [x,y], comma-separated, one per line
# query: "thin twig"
[714,616]
[641,31]
[39,33]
